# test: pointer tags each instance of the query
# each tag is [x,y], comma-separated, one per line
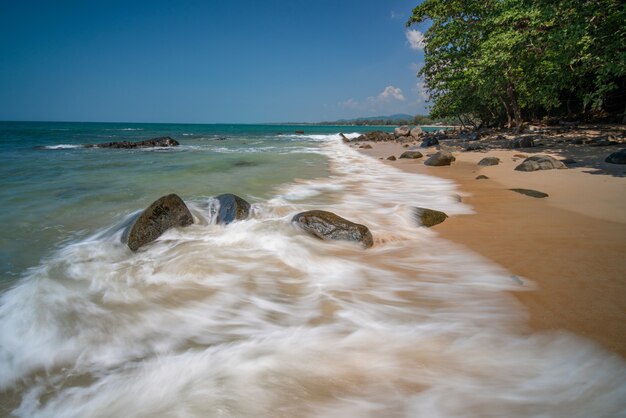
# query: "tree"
[502,61]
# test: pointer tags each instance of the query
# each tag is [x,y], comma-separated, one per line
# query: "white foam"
[258,319]
[63,146]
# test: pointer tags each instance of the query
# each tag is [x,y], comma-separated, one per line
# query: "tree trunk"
[461,120]
[509,120]
[517,112]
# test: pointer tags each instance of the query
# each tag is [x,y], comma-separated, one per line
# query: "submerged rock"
[487,161]
[540,162]
[328,226]
[428,217]
[618,157]
[440,158]
[530,192]
[166,212]
[411,154]
[232,208]
[162,142]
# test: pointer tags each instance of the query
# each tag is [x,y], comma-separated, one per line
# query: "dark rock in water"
[618,157]
[232,208]
[411,154]
[482,177]
[531,193]
[245,164]
[344,138]
[487,161]
[429,142]
[162,142]
[328,226]
[366,146]
[524,142]
[391,158]
[299,132]
[429,217]
[166,212]
[540,162]
[402,131]
[568,161]
[440,158]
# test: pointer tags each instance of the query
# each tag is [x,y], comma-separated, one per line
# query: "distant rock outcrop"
[428,217]
[162,142]
[618,157]
[540,162]
[232,208]
[440,158]
[329,226]
[166,212]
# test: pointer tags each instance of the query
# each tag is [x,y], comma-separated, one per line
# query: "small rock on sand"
[487,161]
[482,177]
[411,154]
[540,162]
[428,217]
[391,158]
[530,192]
[440,158]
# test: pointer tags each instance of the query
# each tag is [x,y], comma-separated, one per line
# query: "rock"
[328,226]
[474,147]
[524,142]
[416,132]
[299,132]
[411,154]
[402,131]
[618,157]
[166,212]
[487,161]
[162,142]
[440,158]
[366,146]
[569,161]
[344,138]
[391,158]
[540,162]
[377,136]
[429,141]
[520,155]
[428,217]
[471,136]
[482,177]
[405,145]
[232,208]
[531,193]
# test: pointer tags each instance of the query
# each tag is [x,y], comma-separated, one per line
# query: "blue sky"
[207,61]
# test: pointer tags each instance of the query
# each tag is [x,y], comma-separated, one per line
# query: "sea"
[257,318]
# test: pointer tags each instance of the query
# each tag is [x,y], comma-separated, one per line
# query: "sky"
[237,61]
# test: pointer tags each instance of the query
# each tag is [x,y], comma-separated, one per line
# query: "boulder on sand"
[416,132]
[232,208]
[411,154]
[328,226]
[402,131]
[166,212]
[540,162]
[489,161]
[429,141]
[618,157]
[428,217]
[162,142]
[440,158]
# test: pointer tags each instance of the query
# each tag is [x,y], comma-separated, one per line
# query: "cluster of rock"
[540,162]
[171,211]
[162,142]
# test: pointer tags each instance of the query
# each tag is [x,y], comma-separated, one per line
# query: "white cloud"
[391,92]
[415,38]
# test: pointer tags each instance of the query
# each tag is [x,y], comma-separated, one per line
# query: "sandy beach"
[570,244]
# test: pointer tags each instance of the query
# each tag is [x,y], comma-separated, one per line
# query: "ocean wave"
[258,319]
[62,146]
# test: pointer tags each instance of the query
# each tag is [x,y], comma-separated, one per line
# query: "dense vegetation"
[414,120]
[497,62]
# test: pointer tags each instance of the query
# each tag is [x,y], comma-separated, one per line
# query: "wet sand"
[572,244]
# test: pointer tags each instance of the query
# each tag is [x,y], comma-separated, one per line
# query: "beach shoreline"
[570,244]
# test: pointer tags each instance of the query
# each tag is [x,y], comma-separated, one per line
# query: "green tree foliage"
[502,61]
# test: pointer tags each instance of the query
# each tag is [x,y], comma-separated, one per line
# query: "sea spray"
[258,319]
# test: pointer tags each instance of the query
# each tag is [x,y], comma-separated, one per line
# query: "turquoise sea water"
[53,191]
[257,318]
